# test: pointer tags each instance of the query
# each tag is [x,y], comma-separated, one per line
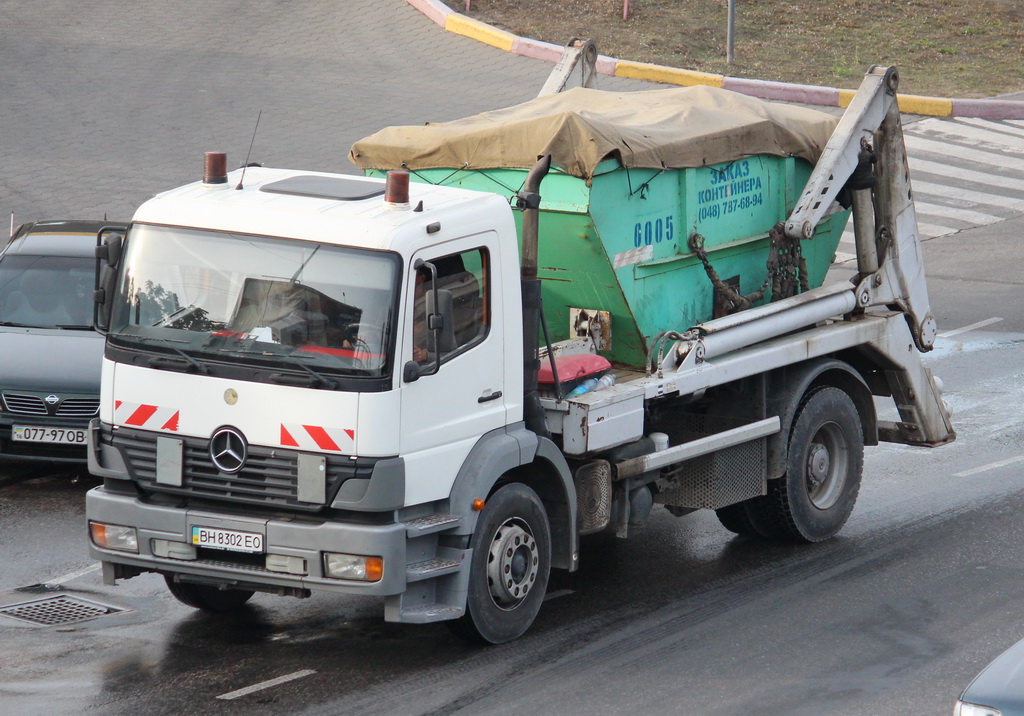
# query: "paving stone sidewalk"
[103,104]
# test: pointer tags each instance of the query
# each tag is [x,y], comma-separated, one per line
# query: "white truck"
[328,382]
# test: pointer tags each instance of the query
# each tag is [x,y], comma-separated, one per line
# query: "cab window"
[465,277]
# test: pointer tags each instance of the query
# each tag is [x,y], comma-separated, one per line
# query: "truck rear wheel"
[735,519]
[509,569]
[207,598]
[813,500]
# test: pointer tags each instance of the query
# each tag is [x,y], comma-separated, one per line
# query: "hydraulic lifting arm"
[864,164]
[889,258]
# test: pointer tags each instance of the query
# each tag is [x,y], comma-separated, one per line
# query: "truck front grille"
[269,477]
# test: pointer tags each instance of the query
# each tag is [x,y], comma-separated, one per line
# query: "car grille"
[24,404]
[270,475]
[21,404]
[79,407]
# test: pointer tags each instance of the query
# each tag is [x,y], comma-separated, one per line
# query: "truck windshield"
[256,299]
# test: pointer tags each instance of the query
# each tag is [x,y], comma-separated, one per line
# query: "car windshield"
[46,291]
[256,299]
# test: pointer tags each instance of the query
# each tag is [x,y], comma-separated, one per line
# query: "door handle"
[485,398]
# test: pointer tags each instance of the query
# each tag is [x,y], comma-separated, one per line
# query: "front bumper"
[22,451]
[305,540]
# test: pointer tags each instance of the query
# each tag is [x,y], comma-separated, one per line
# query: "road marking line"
[968,134]
[266,684]
[558,593]
[976,177]
[951,212]
[988,132]
[972,154]
[997,127]
[979,324]
[74,575]
[975,197]
[925,231]
[990,466]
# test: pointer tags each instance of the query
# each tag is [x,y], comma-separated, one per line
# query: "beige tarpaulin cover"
[673,128]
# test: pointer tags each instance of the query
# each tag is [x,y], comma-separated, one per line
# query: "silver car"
[999,689]
[50,355]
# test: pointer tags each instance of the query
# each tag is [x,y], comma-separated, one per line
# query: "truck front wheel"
[207,598]
[509,568]
[813,500]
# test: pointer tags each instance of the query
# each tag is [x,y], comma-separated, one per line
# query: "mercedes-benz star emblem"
[228,450]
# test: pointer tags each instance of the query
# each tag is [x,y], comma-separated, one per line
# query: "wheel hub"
[513,564]
[827,464]
[818,463]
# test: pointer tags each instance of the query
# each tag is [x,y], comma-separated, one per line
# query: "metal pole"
[731,32]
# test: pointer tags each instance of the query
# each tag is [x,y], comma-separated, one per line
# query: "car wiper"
[76,327]
[12,324]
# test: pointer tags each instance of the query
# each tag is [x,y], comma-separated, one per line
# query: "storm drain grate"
[58,609]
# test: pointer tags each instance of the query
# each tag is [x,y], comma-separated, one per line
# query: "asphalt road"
[106,103]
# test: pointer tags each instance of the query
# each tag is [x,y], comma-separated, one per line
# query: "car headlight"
[965,708]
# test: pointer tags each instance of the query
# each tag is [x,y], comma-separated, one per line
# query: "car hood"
[1001,684]
[54,360]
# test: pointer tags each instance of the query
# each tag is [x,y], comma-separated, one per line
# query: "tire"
[735,519]
[814,499]
[509,568]
[207,598]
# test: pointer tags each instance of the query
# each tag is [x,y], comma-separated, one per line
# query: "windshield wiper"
[163,362]
[76,327]
[12,324]
[315,380]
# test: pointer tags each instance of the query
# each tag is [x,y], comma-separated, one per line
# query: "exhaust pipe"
[529,202]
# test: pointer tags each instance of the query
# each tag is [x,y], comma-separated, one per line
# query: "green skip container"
[634,175]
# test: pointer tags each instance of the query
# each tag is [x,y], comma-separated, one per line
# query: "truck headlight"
[353,566]
[118,537]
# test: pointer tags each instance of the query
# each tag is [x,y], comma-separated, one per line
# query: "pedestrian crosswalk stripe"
[976,218]
[971,154]
[924,230]
[962,174]
[996,127]
[967,133]
[975,197]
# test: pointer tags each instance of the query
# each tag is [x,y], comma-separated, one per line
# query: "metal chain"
[786,270]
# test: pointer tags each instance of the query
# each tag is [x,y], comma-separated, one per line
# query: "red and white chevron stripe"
[140,415]
[315,437]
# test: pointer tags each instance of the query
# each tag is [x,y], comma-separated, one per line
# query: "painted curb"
[479,31]
[460,24]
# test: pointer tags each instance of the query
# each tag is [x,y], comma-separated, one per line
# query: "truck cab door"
[445,412]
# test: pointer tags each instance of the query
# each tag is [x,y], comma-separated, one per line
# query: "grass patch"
[946,48]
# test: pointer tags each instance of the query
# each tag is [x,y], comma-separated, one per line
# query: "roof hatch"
[321,187]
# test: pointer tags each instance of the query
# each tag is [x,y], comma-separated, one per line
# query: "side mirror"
[440,317]
[109,246]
